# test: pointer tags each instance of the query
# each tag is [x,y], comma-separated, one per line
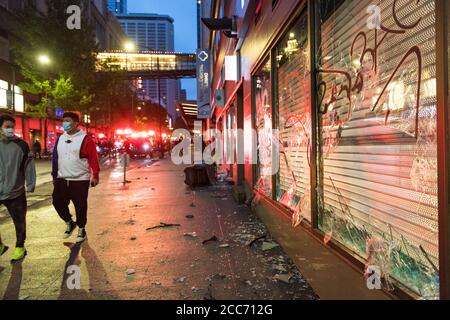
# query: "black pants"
[17,209]
[76,191]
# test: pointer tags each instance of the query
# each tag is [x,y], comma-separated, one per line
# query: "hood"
[8,140]
[80,132]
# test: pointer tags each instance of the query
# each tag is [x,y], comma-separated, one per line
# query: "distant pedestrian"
[75,167]
[17,169]
[37,149]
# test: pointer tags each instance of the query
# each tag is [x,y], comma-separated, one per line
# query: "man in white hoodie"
[75,167]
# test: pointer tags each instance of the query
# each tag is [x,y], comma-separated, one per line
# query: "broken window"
[263,121]
[294,120]
[378,165]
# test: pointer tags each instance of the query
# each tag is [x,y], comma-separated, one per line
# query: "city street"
[123,260]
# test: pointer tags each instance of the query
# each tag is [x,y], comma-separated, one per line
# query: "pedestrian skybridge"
[148,64]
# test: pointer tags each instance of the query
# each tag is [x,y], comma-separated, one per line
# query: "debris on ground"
[180,280]
[163,225]
[225,245]
[279,268]
[191,235]
[130,222]
[212,239]
[286,278]
[133,238]
[250,243]
[156,283]
[248,283]
[216,277]
[190,216]
[137,206]
[195,289]
[266,246]
[130,272]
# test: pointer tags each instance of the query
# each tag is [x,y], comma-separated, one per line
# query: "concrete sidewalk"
[124,260]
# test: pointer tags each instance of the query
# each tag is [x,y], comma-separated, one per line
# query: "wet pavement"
[155,238]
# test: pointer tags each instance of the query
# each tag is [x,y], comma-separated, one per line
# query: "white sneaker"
[82,235]
[70,228]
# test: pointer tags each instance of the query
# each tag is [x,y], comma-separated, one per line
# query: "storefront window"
[3,94]
[294,120]
[378,165]
[263,120]
[18,100]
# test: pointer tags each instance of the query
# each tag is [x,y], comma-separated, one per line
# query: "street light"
[44,59]
[128,46]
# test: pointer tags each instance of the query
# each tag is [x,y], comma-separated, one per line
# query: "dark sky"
[184,12]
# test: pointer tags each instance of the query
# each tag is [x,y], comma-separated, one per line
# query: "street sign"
[231,68]
[203,83]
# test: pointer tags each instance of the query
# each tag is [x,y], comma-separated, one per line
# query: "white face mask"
[9,132]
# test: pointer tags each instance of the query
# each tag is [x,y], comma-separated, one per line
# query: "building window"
[4,49]
[378,163]
[263,125]
[294,120]
[3,94]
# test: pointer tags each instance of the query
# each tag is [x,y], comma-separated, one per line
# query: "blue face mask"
[67,126]
[9,132]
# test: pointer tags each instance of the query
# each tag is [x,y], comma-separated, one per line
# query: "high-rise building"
[183,95]
[154,32]
[117,6]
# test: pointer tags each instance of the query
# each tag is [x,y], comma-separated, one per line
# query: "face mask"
[67,126]
[9,132]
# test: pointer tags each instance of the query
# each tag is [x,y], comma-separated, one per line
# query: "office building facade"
[117,6]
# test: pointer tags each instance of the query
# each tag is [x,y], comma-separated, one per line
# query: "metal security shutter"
[294,119]
[379,153]
[263,120]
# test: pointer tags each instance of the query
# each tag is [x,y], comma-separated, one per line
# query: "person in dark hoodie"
[75,167]
[17,168]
